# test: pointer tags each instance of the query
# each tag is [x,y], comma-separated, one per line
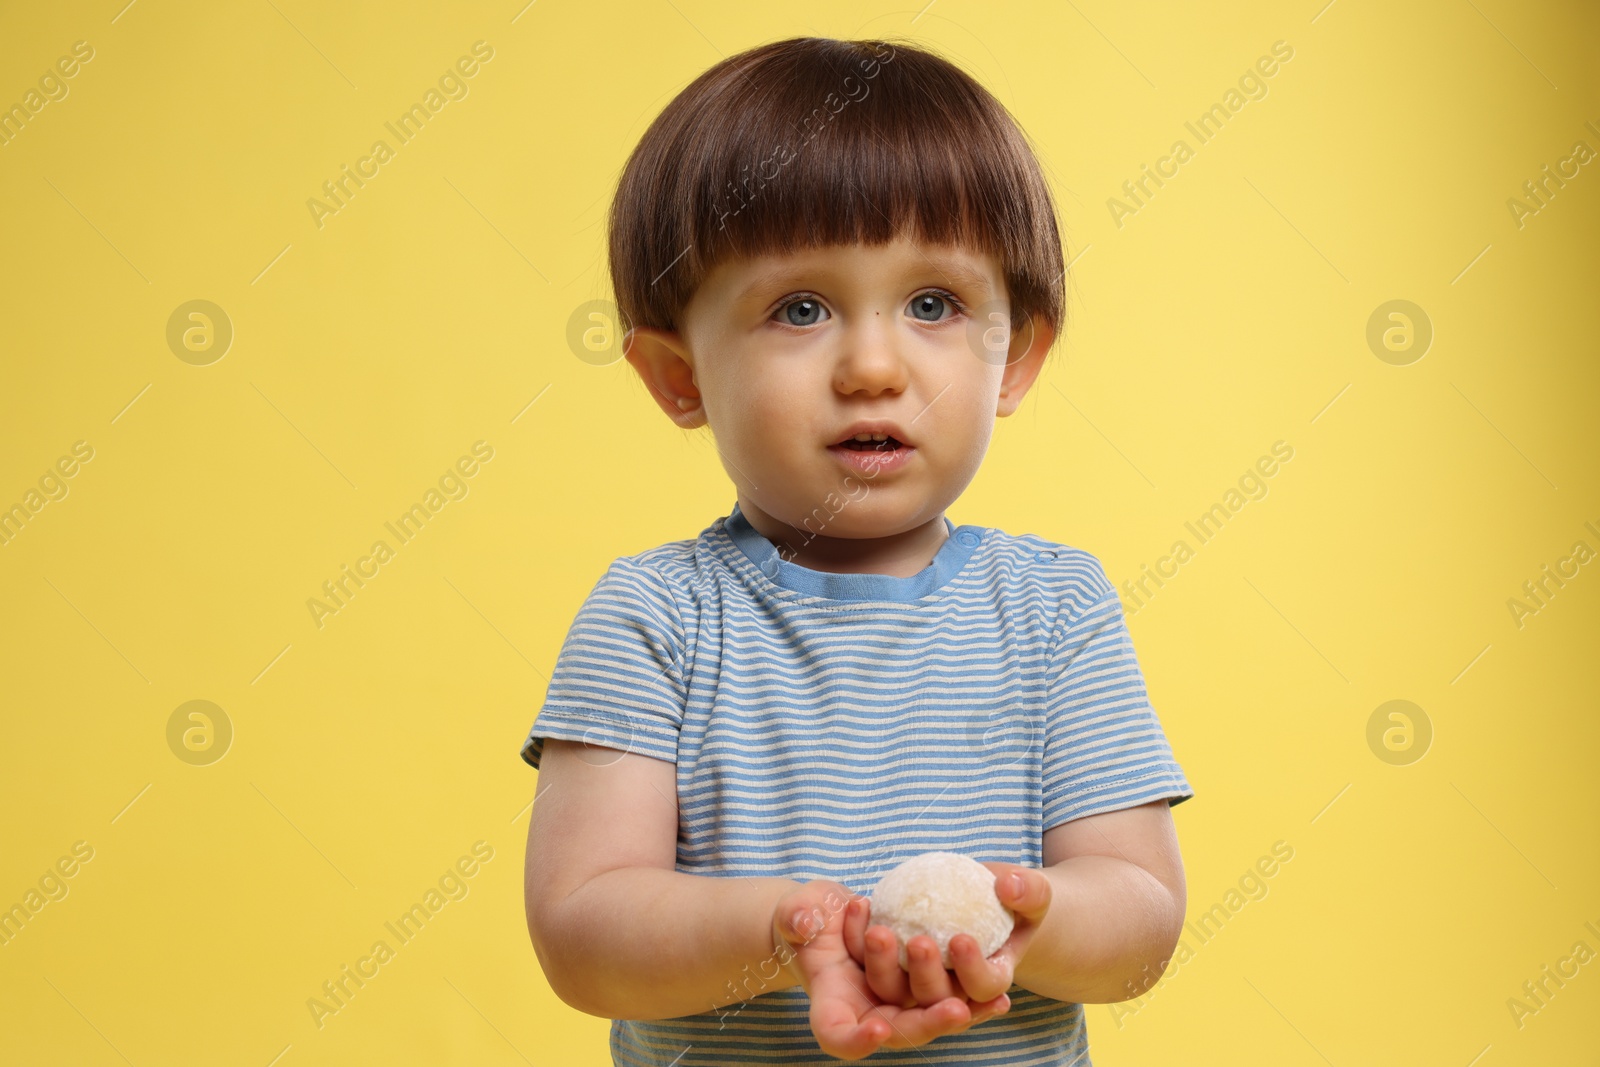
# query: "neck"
[902,554]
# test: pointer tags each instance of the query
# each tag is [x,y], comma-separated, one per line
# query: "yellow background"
[368,354]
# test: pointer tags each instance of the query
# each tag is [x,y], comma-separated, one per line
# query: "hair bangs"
[813,142]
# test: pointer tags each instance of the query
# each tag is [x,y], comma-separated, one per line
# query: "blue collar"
[953,554]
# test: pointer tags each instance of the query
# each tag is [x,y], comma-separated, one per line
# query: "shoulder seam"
[1061,618]
[677,614]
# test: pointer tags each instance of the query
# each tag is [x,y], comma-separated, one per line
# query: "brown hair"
[813,141]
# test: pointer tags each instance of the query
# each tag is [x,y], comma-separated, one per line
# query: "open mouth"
[871,446]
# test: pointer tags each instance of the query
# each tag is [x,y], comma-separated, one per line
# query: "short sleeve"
[618,681]
[1104,746]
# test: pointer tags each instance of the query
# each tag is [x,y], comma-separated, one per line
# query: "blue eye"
[804,309]
[801,311]
[933,302]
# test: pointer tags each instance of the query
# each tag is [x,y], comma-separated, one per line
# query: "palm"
[971,976]
[842,1004]
[848,1019]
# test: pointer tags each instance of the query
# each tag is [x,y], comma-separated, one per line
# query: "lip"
[872,463]
[883,426]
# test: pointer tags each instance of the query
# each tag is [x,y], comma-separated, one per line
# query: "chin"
[860,520]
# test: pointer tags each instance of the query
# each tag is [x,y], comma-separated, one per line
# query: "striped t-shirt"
[830,726]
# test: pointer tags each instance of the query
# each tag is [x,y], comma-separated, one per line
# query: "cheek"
[977,430]
[752,408]
[968,421]
[973,396]
[980,427]
[770,404]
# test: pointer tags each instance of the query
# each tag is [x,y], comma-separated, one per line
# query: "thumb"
[810,909]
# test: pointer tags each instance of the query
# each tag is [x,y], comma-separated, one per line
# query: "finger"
[988,1009]
[803,925]
[981,979]
[985,1011]
[855,928]
[930,981]
[884,976]
[976,1021]
[813,908]
[1030,898]
[842,1034]
[918,1026]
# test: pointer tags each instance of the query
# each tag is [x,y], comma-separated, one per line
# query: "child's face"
[783,354]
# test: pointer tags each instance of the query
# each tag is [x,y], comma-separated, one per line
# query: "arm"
[619,932]
[1118,898]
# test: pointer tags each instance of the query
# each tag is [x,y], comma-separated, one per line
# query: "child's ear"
[662,359]
[1024,361]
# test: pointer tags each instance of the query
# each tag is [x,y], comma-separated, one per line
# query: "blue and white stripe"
[829,726]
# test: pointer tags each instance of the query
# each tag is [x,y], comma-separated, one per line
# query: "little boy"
[842,257]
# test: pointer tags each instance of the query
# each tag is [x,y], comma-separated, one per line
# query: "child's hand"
[848,1020]
[973,977]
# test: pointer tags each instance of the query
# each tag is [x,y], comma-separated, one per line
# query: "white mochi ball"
[940,894]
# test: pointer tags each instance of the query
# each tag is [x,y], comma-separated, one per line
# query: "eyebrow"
[958,274]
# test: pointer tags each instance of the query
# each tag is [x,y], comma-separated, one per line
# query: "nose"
[871,360]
